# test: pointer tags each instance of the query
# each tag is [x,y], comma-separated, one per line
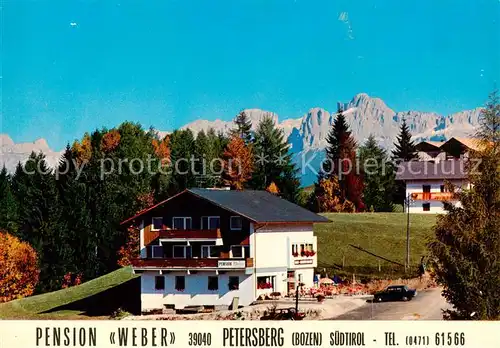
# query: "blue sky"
[165,63]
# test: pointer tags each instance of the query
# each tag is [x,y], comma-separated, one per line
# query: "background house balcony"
[210,263]
[434,196]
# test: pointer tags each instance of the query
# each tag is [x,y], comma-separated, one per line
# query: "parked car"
[395,293]
[284,314]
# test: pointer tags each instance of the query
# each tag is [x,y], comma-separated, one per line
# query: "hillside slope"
[383,234]
[70,303]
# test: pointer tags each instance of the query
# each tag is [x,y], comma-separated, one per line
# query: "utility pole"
[408,202]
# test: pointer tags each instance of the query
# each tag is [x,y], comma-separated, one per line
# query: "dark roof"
[257,206]
[430,170]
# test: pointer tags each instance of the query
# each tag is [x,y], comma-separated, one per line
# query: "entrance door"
[291,284]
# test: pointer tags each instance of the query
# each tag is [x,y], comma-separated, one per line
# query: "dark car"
[395,293]
[284,314]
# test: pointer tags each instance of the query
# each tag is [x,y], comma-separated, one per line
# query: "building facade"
[427,179]
[207,247]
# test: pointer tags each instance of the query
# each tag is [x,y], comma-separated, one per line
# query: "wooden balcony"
[433,196]
[210,263]
[190,234]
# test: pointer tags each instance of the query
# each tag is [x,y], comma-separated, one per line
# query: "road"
[427,305]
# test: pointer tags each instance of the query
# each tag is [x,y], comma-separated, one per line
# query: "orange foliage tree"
[83,149]
[71,279]
[110,140]
[238,163]
[328,195]
[162,150]
[19,271]
[130,250]
[272,188]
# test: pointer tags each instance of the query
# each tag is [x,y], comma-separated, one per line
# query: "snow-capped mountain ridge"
[366,115]
[307,134]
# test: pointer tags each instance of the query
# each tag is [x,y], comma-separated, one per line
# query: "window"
[426,188]
[180,283]
[157,223]
[235,223]
[213,283]
[210,222]
[265,283]
[208,251]
[157,252]
[426,207]
[234,283]
[181,223]
[160,283]
[181,251]
[237,252]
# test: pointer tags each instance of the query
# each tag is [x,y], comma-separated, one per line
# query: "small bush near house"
[119,314]
[19,272]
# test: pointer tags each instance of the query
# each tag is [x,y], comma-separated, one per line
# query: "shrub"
[19,272]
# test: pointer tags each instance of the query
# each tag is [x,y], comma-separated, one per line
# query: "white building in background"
[438,163]
[206,247]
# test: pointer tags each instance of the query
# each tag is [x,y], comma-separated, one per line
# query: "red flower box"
[265,286]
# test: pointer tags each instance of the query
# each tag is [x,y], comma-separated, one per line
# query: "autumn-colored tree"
[71,279]
[19,271]
[130,250]
[272,188]
[238,163]
[110,141]
[326,195]
[83,150]
[162,150]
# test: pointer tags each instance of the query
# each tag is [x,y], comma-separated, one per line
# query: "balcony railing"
[217,263]
[434,196]
[190,234]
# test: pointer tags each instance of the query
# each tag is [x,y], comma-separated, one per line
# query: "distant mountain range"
[307,134]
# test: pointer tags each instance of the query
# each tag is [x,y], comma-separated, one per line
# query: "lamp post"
[297,297]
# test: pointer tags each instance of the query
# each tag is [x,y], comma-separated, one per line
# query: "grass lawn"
[383,234]
[74,302]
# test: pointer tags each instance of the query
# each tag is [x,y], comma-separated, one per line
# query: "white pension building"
[205,247]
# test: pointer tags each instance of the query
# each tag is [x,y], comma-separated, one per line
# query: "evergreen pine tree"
[76,221]
[39,216]
[465,254]
[404,151]
[404,147]
[379,176]
[216,144]
[202,161]
[182,150]
[8,204]
[273,161]
[243,128]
